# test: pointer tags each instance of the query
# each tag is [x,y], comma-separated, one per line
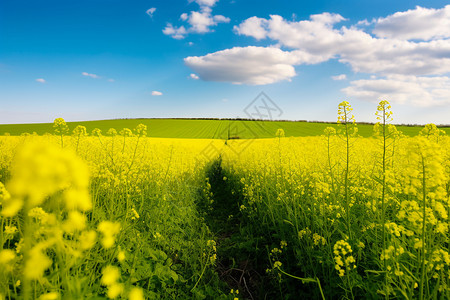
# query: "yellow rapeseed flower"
[76,221]
[121,256]
[6,257]
[114,290]
[49,296]
[109,230]
[87,239]
[136,294]
[40,170]
[10,229]
[37,263]
[110,275]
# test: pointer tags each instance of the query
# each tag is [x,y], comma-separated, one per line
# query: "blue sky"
[90,60]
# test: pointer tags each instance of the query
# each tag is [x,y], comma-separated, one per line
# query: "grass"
[204,129]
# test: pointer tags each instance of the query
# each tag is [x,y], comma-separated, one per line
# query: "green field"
[204,129]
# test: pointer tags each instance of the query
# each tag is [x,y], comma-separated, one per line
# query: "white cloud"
[205,2]
[202,21]
[247,65]
[221,19]
[41,80]
[363,52]
[403,55]
[177,33]
[194,76]
[254,27]
[315,36]
[419,23]
[416,90]
[151,11]
[90,75]
[156,93]
[339,77]
[363,23]
[199,21]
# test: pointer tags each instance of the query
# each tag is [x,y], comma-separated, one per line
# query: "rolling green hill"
[195,128]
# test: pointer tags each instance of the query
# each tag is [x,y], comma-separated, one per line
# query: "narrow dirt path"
[237,252]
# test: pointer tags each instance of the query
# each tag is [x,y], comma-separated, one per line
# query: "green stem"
[383,208]
[305,280]
[330,166]
[78,142]
[201,275]
[347,205]
[422,275]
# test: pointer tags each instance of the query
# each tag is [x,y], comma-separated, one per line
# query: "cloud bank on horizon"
[407,53]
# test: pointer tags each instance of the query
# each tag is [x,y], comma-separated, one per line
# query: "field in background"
[204,129]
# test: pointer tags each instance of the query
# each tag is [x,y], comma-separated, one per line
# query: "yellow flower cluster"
[344,113]
[392,252]
[211,245]
[109,231]
[41,171]
[135,215]
[110,278]
[317,239]
[343,257]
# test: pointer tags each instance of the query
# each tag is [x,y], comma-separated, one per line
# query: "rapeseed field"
[117,214]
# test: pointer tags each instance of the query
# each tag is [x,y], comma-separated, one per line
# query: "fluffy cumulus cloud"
[194,76]
[411,43]
[419,23]
[156,93]
[41,80]
[254,27]
[247,65]
[362,51]
[199,21]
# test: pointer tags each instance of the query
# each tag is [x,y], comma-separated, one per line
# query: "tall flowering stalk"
[141,131]
[61,129]
[112,133]
[78,132]
[280,134]
[347,119]
[432,131]
[384,116]
[126,132]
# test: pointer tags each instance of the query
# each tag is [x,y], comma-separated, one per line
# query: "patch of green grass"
[203,129]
